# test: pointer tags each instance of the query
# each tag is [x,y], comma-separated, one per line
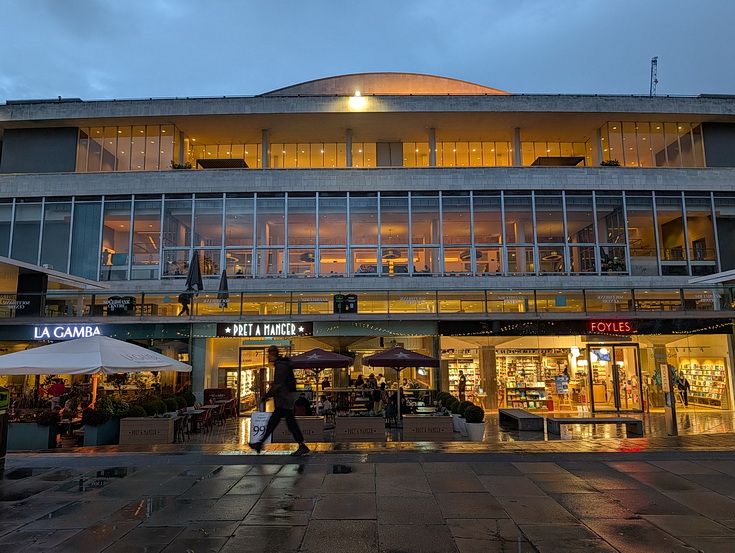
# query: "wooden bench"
[522,418]
[633,427]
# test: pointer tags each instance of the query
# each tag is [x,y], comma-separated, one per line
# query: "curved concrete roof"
[392,84]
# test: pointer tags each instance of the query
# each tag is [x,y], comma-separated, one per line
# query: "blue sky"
[103,49]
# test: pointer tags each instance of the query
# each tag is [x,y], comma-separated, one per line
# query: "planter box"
[456,421]
[104,434]
[311,427]
[359,429]
[146,431]
[475,430]
[427,428]
[29,435]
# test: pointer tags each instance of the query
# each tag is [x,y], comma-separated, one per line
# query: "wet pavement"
[598,493]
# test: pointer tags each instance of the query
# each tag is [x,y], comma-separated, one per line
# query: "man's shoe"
[302,450]
[257,446]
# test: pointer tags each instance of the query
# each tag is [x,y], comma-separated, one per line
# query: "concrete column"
[198,358]
[432,147]
[516,147]
[348,146]
[265,149]
[489,377]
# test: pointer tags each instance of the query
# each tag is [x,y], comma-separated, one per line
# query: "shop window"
[510,302]
[461,302]
[411,302]
[658,300]
[609,300]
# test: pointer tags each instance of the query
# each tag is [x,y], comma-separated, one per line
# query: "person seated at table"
[326,383]
[302,407]
[324,407]
[372,382]
[378,399]
[381,379]
[359,383]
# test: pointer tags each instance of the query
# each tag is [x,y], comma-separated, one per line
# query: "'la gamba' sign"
[263,330]
[65,332]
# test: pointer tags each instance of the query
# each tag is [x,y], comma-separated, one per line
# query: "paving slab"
[480,504]
[637,536]
[535,510]
[427,538]
[689,525]
[333,535]
[265,539]
[409,510]
[456,482]
[352,507]
[511,486]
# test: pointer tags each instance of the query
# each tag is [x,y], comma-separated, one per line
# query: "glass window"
[487,218]
[641,235]
[115,241]
[457,261]
[630,150]
[266,304]
[411,302]
[425,261]
[393,219]
[6,222]
[146,239]
[700,231]
[580,219]
[364,262]
[269,262]
[582,260]
[364,219]
[271,219]
[670,228]
[55,243]
[510,302]
[551,260]
[549,219]
[673,150]
[456,220]
[82,150]
[489,261]
[176,263]
[210,260]
[609,300]
[168,151]
[701,300]
[207,222]
[363,154]
[239,263]
[332,220]
[725,218]
[177,223]
[137,149]
[610,219]
[252,155]
[394,261]
[152,148]
[301,261]
[461,302]
[311,304]
[518,219]
[239,222]
[698,146]
[612,260]
[425,218]
[658,145]
[96,141]
[301,221]
[520,261]
[657,300]
[85,240]
[562,301]
[333,262]
[615,142]
[644,145]
[374,302]
[109,148]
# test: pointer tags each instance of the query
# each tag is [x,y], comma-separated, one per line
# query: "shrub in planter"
[610,163]
[95,417]
[114,406]
[47,417]
[453,406]
[474,414]
[189,398]
[448,400]
[171,404]
[180,402]
[137,411]
[155,407]
[462,406]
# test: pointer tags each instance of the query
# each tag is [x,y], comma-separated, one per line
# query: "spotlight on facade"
[357,101]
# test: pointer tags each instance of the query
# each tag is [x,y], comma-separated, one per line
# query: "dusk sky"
[104,49]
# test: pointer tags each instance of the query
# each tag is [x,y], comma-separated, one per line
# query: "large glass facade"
[650,144]
[126,148]
[378,234]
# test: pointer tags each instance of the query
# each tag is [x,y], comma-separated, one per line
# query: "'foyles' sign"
[65,332]
[609,327]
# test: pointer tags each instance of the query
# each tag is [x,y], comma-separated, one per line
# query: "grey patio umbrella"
[223,294]
[194,278]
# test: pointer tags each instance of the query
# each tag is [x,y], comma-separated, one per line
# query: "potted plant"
[474,417]
[453,407]
[460,410]
[610,163]
[34,430]
[102,424]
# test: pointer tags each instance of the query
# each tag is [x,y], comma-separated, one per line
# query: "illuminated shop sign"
[609,327]
[264,330]
[65,332]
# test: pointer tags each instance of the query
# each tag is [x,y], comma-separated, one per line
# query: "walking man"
[184,300]
[282,391]
[462,386]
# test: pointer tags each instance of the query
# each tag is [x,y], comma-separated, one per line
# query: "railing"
[62,304]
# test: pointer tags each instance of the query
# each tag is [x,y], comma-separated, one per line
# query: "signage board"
[65,332]
[258,423]
[264,330]
[597,326]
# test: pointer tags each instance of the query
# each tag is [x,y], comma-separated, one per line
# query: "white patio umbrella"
[95,355]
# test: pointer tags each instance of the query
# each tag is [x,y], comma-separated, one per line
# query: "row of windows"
[376,234]
[624,300]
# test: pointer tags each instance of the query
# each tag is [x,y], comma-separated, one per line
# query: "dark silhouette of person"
[302,406]
[282,390]
[462,386]
[684,389]
[185,300]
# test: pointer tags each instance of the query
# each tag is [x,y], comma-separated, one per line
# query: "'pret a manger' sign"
[262,330]
[609,327]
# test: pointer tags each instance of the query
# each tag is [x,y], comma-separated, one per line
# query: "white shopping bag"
[258,424]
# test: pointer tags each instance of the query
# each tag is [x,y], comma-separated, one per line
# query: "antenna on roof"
[654,73]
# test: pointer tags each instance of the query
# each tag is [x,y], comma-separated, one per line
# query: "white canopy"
[95,355]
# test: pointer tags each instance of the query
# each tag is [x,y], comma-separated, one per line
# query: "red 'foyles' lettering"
[610,327]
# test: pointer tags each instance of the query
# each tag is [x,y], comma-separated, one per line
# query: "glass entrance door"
[615,376]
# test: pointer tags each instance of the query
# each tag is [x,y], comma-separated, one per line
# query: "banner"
[258,423]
